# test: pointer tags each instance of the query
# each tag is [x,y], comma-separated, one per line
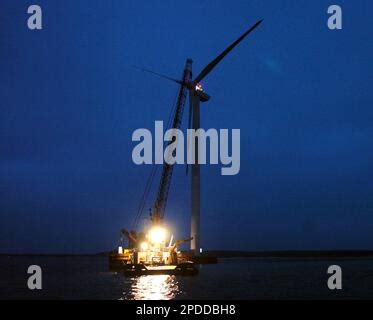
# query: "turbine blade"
[213,63]
[158,74]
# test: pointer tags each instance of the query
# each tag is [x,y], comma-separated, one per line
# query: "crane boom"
[159,206]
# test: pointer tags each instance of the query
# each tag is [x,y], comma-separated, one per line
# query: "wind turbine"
[196,96]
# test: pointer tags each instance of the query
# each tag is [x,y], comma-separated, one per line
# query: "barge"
[150,255]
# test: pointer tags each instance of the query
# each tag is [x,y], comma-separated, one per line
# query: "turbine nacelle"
[197,89]
[203,96]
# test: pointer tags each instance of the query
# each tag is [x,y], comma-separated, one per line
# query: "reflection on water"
[153,287]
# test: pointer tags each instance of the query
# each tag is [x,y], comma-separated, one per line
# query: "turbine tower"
[196,96]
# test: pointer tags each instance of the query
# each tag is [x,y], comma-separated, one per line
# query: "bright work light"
[157,235]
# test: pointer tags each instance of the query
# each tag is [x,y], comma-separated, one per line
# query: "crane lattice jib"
[159,207]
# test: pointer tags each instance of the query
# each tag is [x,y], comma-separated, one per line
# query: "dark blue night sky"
[300,93]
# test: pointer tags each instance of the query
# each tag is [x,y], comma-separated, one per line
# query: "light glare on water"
[153,287]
